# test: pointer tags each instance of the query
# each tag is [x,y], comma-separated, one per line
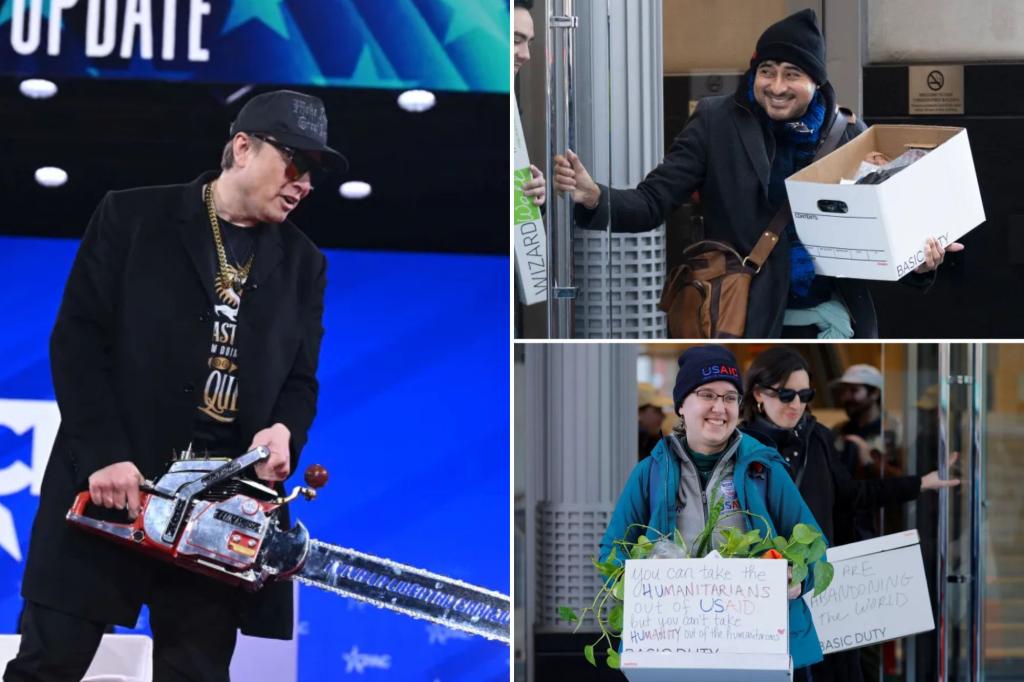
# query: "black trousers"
[194,620]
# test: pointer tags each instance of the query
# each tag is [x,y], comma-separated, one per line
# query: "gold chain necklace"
[230,275]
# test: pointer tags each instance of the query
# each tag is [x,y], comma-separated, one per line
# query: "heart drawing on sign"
[782,631]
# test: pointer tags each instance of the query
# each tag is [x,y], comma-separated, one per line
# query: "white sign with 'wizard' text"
[529,236]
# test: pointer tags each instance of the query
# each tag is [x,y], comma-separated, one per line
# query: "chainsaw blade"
[412,591]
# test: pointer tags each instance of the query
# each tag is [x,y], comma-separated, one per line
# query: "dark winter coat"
[827,487]
[726,154]
[128,354]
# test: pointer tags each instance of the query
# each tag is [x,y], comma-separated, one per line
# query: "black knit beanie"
[701,365]
[797,40]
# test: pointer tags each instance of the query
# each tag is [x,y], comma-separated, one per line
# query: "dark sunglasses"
[786,395]
[298,162]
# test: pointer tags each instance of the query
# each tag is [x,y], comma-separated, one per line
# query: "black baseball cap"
[293,119]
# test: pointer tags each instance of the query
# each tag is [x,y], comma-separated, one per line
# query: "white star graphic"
[352,662]
[9,534]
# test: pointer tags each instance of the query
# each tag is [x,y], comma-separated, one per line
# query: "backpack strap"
[655,476]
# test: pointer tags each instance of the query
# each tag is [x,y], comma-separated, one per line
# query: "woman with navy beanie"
[706,456]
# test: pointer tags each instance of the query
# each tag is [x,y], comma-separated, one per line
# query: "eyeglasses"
[786,395]
[731,398]
[298,162]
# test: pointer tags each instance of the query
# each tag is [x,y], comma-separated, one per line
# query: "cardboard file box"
[879,231]
[879,593]
[708,619]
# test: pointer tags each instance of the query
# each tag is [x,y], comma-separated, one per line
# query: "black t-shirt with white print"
[214,430]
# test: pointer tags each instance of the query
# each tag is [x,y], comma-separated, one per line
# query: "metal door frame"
[976,379]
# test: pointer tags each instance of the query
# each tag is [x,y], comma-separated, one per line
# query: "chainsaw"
[206,516]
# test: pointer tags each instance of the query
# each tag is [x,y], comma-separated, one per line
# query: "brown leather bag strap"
[770,237]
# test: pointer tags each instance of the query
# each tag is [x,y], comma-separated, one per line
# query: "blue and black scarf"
[795,144]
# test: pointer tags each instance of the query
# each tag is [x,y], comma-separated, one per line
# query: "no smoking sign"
[935,90]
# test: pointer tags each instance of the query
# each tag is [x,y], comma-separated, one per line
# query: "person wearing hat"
[737,150]
[705,456]
[192,315]
[651,405]
[860,438]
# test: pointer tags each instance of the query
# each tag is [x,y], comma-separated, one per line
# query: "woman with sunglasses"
[704,457]
[776,411]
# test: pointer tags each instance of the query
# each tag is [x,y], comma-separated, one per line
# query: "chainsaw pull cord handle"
[316,478]
[186,493]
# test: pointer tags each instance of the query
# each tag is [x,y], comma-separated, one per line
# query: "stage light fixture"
[417,100]
[51,176]
[38,88]
[354,189]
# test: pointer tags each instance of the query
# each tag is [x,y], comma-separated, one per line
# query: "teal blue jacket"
[781,504]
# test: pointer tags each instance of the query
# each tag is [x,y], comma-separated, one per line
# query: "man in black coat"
[153,350]
[738,150]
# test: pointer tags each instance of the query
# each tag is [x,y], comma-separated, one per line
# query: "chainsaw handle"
[83,498]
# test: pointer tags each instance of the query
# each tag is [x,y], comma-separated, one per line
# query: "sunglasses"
[786,395]
[298,162]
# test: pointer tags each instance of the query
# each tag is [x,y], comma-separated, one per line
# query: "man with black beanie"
[737,150]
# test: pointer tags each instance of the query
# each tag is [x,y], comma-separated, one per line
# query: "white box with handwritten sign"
[722,617]
[879,231]
[878,593]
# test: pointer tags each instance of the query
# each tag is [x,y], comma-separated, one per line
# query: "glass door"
[968,399]
[961,524]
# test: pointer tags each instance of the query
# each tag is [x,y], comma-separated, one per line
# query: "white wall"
[908,31]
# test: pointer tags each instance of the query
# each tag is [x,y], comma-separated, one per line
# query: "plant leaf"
[780,543]
[613,658]
[816,551]
[568,614]
[823,573]
[588,653]
[615,619]
[799,573]
[617,590]
[798,550]
[639,551]
[605,568]
[804,534]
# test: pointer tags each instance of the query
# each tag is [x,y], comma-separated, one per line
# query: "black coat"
[128,355]
[829,490]
[726,154]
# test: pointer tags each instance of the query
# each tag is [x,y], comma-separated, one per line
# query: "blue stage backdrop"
[412,425]
[435,44]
